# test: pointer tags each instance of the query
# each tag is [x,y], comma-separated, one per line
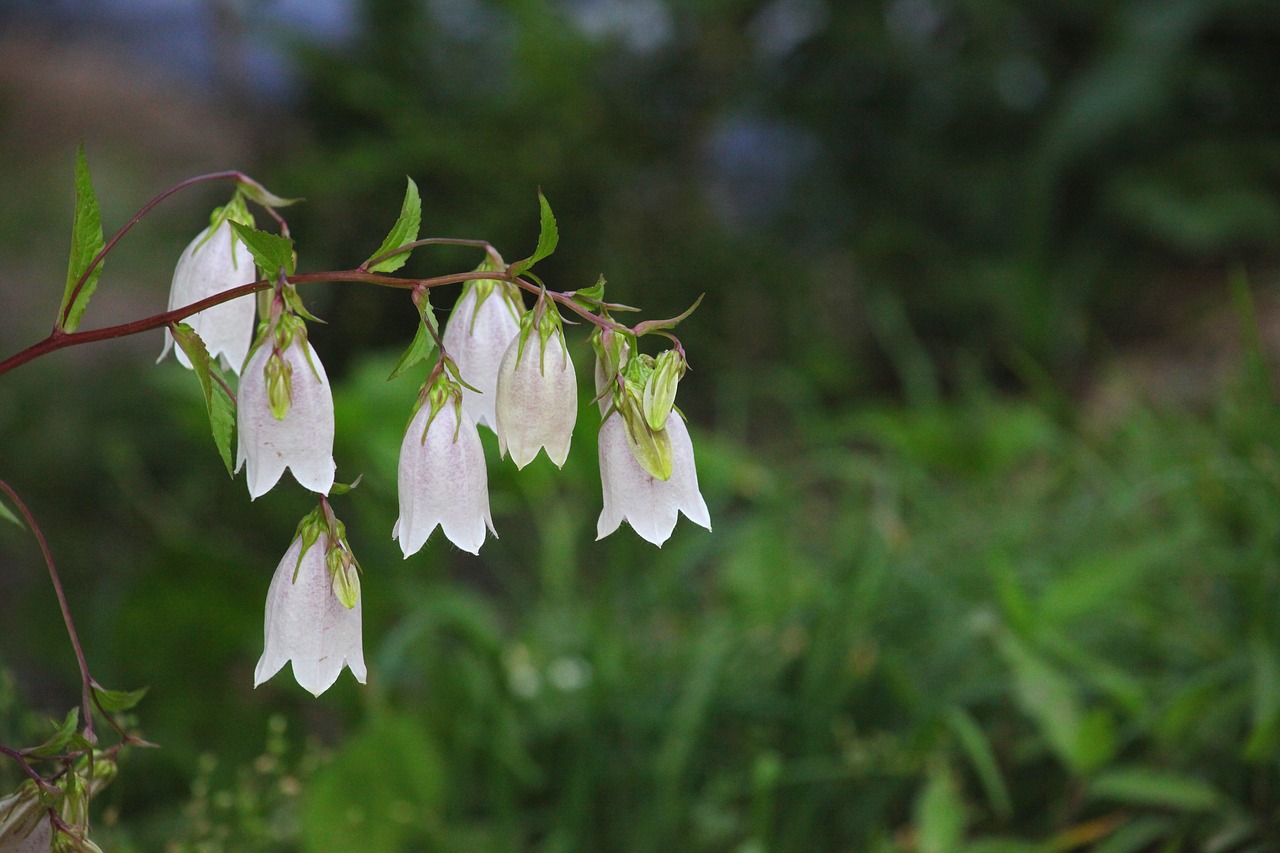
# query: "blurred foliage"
[1017,181]
[959,626]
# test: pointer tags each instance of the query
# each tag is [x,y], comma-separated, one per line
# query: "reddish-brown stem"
[61,340]
[86,681]
[143,211]
[21,761]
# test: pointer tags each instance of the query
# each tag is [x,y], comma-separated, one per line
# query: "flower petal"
[476,337]
[443,482]
[301,441]
[537,400]
[211,264]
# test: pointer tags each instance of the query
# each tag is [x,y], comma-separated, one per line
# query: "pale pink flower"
[632,494]
[212,263]
[443,481]
[307,624]
[483,323]
[537,399]
[301,440]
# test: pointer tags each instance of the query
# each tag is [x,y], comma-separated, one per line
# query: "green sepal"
[343,488]
[660,388]
[271,252]
[86,243]
[61,739]
[650,447]
[8,514]
[115,701]
[260,194]
[294,300]
[346,582]
[424,341]
[404,231]
[217,400]
[548,237]
[309,530]
[591,297]
[278,374]
[647,326]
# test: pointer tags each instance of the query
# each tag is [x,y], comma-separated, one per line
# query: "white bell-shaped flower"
[650,505]
[285,416]
[483,323]
[212,263]
[537,397]
[307,624]
[443,480]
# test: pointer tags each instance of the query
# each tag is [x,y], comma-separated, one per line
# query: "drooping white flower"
[307,624]
[482,325]
[442,477]
[537,396]
[285,414]
[212,263]
[649,504]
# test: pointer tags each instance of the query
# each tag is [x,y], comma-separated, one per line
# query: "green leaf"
[114,701]
[424,343]
[983,759]
[272,252]
[86,243]
[263,196]
[60,740]
[1158,789]
[8,514]
[404,231]
[939,813]
[218,402]
[548,237]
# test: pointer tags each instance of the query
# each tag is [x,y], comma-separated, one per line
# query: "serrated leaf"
[548,237]
[63,733]
[424,343]
[8,514]
[404,231]
[86,243]
[218,403]
[271,252]
[114,701]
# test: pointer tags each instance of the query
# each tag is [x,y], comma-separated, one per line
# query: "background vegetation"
[982,398]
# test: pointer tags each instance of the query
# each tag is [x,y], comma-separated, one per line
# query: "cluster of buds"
[501,366]
[53,817]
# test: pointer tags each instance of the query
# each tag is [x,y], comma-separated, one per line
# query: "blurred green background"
[982,396]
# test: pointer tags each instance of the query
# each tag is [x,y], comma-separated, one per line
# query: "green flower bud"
[660,389]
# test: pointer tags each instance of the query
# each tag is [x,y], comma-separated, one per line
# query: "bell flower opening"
[537,401]
[650,505]
[285,417]
[442,478]
[306,622]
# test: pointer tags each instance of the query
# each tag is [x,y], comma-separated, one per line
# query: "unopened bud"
[279,379]
[660,388]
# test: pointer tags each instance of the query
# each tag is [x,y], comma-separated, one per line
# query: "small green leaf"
[404,231]
[60,740]
[548,237]
[271,252]
[86,243]
[114,701]
[424,343]
[8,514]
[218,402]
[939,813]
[263,196]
